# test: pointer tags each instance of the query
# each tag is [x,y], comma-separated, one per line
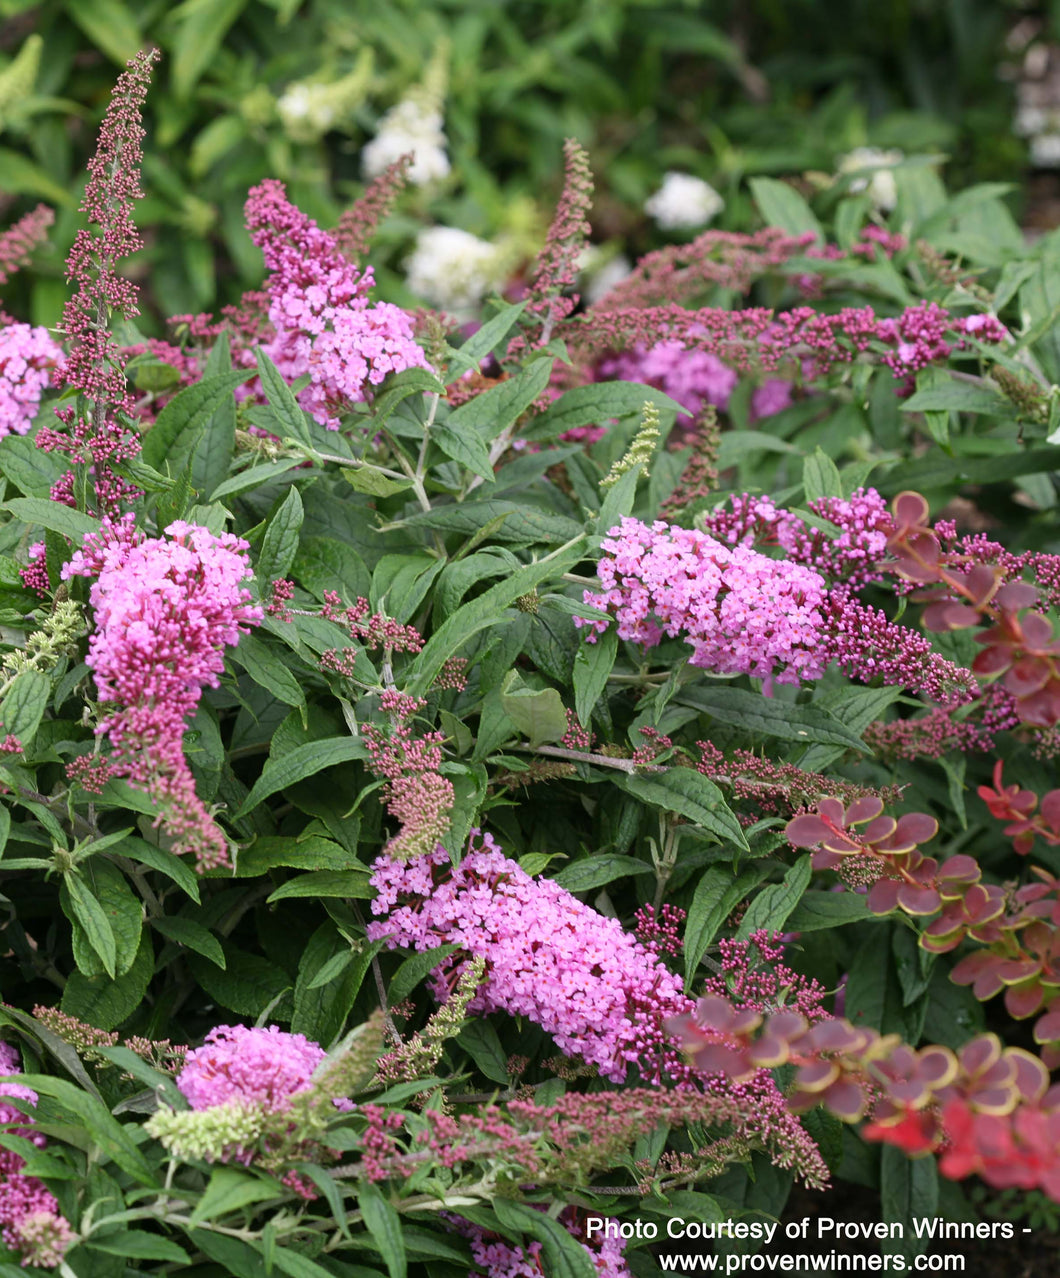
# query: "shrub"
[327,595]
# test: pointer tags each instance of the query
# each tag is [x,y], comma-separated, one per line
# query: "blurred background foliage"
[719,89]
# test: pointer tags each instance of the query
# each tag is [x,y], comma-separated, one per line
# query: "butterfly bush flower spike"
[165,609]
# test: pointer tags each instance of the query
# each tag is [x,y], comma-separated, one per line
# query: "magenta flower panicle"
[165,608]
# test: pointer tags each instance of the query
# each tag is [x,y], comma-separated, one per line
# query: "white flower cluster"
[454,270]
[307,111]
[308,108]
[683,201]
[413,125]
[1043,128]
[881,187]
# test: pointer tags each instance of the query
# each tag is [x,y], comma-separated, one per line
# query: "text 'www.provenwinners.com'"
[816,1244]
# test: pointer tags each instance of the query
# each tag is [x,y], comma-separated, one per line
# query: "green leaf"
[324,990]
[598,404]
[323,563]
[24,705]
[909,1190]
[227,1190]
[28,468]
[105,1003]
[255,477]
[62,1051]
[203,25]
[464,446]
[522,523]
[237,1259]
[246,985]
[486,611]
[124,913]
[820,477]
[109,25]
[400,583]
[565,1257]
[369,479]
[301,762]
[594,871]
[174,436]
[321,883]
[164,862]
[139,1245]
[213,457]
[23,177]
[482,1043]
[762,715]
[400,386]
[691,795]
[495,410]
[539,716]
[53,515]
[191,934]
[944,392]
[282,401]
[716,896]
[384,1224]
[771,907]
[618,501]
[484,340]
[415,969]
[781,205]
[269,671]
[280,543]
[82,907]
[158,1082]
[820,910]
[305,853]
[110,1137]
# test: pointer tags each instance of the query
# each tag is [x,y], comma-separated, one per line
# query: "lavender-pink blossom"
[262,1066]
[742,612]
[550,958]
[30,1221]
[27,358]
[319,309]
[165,608]
[691,377]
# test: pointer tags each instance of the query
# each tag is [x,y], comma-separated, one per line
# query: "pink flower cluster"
[262,1066]
[756,340]
[742,612]
[30,1221]
[862,521]
[693,378]
[319,309]
[27,357]
[579,975]
[165,608]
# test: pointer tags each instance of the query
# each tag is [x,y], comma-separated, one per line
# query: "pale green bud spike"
[19,77]
[641,450]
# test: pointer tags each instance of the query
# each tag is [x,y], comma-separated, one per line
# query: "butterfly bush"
[577,974]
[601,994]
[262,1066]
[28,357]
[672,1031]
[318,307]
[164,610]
[742,612]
